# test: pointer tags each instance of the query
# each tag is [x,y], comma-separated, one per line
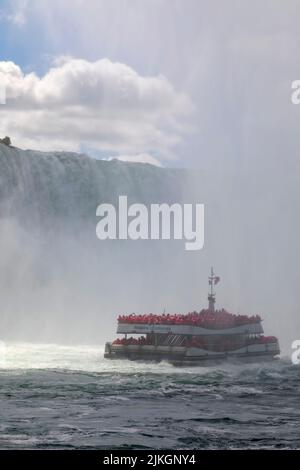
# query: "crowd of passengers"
[223,344]
[132,341]
[205,318]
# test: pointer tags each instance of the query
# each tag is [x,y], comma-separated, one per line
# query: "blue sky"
[234,62]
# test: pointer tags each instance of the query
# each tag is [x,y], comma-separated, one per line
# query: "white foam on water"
[24,356]
[90,358]
[77,358]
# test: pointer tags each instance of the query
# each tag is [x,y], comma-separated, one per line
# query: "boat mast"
[212,279]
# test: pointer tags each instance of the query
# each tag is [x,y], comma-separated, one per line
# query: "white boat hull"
[182,355]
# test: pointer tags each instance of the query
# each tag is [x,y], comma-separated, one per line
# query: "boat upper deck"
[205,322]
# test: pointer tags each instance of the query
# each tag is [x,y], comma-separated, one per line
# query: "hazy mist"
[59,283]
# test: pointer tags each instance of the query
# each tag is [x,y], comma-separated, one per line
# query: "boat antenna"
[212,280]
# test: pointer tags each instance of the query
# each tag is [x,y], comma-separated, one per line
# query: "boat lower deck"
[191,356]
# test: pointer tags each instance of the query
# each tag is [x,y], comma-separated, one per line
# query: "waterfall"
[54,272]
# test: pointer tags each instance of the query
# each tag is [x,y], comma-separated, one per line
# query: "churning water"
[70,397]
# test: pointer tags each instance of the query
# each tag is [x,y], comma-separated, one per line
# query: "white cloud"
[106,105]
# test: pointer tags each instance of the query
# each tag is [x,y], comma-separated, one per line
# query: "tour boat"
[197,338]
